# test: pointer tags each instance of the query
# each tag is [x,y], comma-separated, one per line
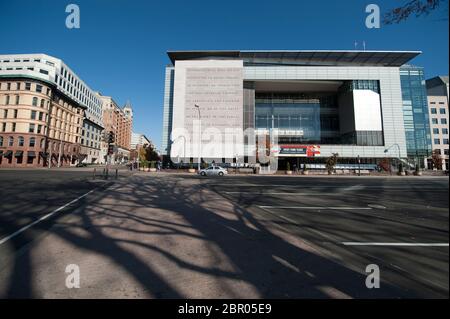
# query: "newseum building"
[293,106]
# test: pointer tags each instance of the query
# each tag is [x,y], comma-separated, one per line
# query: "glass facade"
[415,112]
[297,112]
[316,115]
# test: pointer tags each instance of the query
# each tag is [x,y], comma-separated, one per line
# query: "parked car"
[213,171]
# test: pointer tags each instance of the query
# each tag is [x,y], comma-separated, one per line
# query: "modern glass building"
[415,113]
[318,103]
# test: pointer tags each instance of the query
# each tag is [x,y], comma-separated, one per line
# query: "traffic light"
[111,137]
[110,149]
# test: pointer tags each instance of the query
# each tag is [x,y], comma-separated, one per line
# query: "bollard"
[117,173]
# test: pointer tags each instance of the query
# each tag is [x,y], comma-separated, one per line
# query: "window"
[41,115]
[445,131]
[1,141]
[18,85]
[28,86]
[442,111]
[32,142]
[38,88]
[39,129]
[435,131]
[30,159]
[3,127]
[21,140]
[17,99]
[15,113]
[433,111]
[43,71]
[445,141]
[42,103]
[437,141]
[8,86]
[434,121]
[33,115]
[446,151]
[5,114]
[11,141]
[31,128]
[35,100]
[443,121]
[7,100]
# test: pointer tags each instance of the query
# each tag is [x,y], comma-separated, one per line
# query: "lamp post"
[359,166]
[200,137]
[398,148]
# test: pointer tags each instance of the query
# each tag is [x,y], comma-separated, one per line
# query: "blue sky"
[120,49]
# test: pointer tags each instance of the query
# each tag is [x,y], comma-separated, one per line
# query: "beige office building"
[119,121]
[39,126]
[437,91]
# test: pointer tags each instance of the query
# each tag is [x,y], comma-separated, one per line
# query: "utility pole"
[200,137]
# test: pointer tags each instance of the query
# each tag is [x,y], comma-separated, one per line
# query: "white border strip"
[396,244]
[5,239]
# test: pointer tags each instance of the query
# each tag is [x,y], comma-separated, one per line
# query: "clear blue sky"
[120,49]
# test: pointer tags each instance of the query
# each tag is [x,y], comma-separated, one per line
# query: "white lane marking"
[5,239]
[396,244]
[317,207]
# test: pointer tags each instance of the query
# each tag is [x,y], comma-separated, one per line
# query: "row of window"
[437,141]
[21,141]
[442,103]
[444,131]
[40,129]
[35,101]
[436,121]
[441,111]
[41,116]
[438,150]
[27,60]
[8,86]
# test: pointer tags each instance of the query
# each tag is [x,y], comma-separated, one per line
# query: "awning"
[31,154]
[18,154]
[7,154]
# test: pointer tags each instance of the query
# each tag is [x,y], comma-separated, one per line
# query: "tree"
[436,159]
[331,163]
[413,7]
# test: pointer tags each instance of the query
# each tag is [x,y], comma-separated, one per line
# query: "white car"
[213,171]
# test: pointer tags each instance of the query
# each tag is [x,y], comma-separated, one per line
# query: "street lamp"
[398,148]
[200,137]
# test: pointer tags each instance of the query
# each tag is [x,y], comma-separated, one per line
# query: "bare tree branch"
[413,7]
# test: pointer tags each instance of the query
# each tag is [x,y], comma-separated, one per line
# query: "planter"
[418,173]
[152,169]
[146,169]
[288,172]
[191,170]
[305,172]
[401,173]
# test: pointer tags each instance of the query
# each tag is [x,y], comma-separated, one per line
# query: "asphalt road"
[171,236]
